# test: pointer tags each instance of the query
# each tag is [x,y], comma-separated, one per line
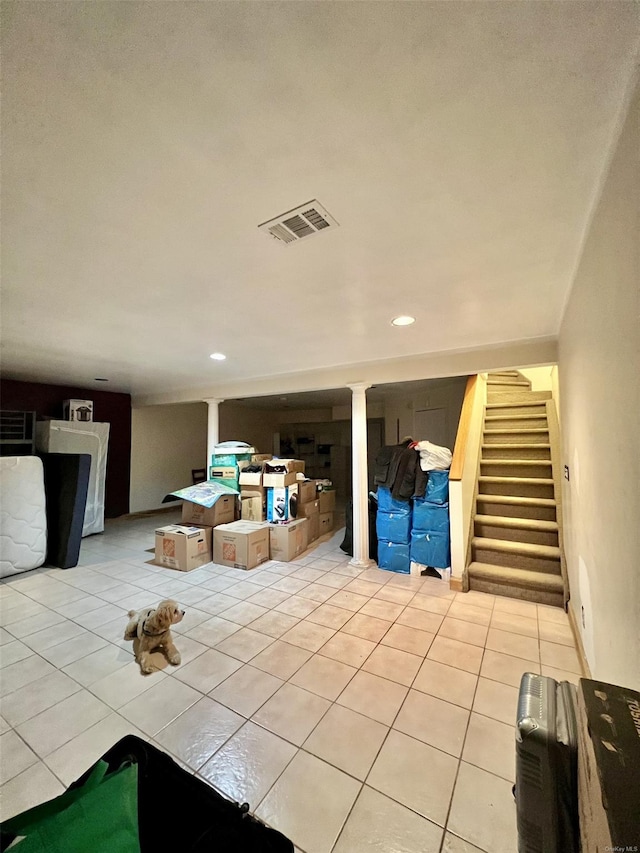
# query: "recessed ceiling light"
[217,356]
[403,320]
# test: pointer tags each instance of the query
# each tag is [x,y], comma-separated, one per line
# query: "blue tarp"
[431,549]
[430,518]
[394,557]
[437,487]
[393,527]
[386,503]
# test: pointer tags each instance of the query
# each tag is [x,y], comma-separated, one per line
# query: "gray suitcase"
[546,788]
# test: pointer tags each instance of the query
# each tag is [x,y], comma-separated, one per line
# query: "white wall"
[540,377]
[445,393]
[166,443]
[599,365]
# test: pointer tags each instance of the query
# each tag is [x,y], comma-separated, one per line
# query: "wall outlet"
[566,472]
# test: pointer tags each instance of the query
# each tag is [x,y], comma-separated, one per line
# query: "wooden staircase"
[515,548]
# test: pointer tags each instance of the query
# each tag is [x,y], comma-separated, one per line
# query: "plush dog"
[149,630]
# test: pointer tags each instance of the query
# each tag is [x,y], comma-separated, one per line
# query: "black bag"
[347,542]
[197,819]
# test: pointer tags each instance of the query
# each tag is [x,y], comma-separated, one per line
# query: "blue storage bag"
[387,503]
[393,527]
[394,557]
[431,549]
[430,518]
[437,487]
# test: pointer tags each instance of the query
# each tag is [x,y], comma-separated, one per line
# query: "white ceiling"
[459,145]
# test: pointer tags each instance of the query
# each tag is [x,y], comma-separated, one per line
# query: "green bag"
[101,816]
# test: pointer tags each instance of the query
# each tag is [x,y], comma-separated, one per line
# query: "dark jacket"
[397,467]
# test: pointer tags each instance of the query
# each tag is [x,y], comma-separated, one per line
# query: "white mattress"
[23,520]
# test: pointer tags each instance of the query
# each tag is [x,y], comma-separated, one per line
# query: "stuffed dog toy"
[149,630]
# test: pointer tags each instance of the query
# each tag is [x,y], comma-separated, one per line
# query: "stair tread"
[547,552]
[517,446]
[515,417]
[511,430]
[499,461]
[519,523]
[516,577]
[506,405]
[517,500]
[538,481]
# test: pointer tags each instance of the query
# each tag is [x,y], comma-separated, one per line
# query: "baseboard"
[579,647]
[147,513]
[455,584]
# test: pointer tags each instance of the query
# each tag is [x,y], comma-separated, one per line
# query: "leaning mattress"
[23,519]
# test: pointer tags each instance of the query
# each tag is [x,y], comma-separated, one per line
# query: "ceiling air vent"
[301,222]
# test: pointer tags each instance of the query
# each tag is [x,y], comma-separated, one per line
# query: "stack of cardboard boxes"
[327,505]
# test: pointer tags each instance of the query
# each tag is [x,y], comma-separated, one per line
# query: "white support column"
[360,479]
[213,427]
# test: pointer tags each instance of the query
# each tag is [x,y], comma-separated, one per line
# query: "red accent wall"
[108,407]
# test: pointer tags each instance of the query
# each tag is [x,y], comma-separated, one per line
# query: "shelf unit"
[17,433]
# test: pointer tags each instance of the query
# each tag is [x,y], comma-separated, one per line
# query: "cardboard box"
[252,509]
[222,512]
[288,541]
[608,762]
[325,519]
[279,481]
[241,545]
[327,500]
[282,504]
[247,491]
[308,509]
[254,479]
[293,466]
[313,526]
[183,547]
[307,491]
[261,457]
[77,410]
[223,473]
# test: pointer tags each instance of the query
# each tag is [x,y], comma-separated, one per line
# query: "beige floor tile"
[374,575]
[218,603]
[274,624]
[71,760]
[246,690]
[290,585]
[308,574]
[324,676]
[317,592]
[453,844]
[373,696]
[33,786]
[457,654]
[393,664]
[367,627]
[433,721]
[269,597]
[376,821]
[62,722]
[416,775]
[72,650]
[295,605]
[408,639]
[553,632]
[423,620]
[552,614]
[470,613]
[506,668]
[561,674]
[513,605]
[245,644]
[335,581]
[330,616]
[214,630]
[244,612]
[348,649]
[292,713]
[199,731]
[562,657]
[496,700]
[16,756]
[446,682]
[440,605]
[490,745]
[308,635]
[348,740]
[514,624]
[157,707]
[243,590]
[513,644]
[310,802]
[23,627]
[348,600]
[248,764]
[395,594]
[362,587]
[15,651]
[281,659]
[37,696]
[483,811]
[54,635]
[437,586]
[124,684]
[476,599]
[465,632]
[207,670]
[382,609]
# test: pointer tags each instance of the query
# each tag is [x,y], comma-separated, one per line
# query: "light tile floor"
[354,710]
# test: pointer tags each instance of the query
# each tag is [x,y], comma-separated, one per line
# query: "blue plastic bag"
[431,549]
[393,527]
[430,518]
[387,503]
[394,557]
[437,487]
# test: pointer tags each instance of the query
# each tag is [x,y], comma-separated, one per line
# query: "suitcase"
[546,788]
[179,813]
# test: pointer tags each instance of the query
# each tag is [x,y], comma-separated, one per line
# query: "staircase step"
[508,382]
[515,529]
[516,583]
[516,467]
[535,407]
[517,436]
[516,507]
[498,374]
[525,487]
[517,555]
[530,421]
[520,396]
[516,451]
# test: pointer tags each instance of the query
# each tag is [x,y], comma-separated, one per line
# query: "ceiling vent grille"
[301,222]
